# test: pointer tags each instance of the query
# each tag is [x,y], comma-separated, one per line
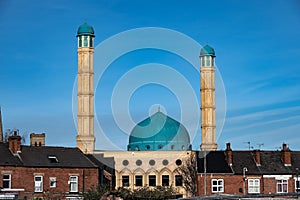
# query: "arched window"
[85,41]
[207,61]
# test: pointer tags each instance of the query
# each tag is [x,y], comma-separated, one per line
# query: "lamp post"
[244,178]
[205,192]
[297,181]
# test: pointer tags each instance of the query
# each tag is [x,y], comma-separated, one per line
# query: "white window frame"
[52,180]
[253,185]
[9,180]
[296,184]
[282,182]
[73,183]
[38,185]
[219,186]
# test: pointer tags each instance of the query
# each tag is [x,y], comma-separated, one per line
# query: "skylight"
[53,159]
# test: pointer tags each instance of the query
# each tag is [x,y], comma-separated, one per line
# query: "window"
[125,162]
[151,162]
[165,162]
[253,186]
[152,180]
[125,181]
[165,180]
[38,184]
[52,182]
[138,162]
[53,159]
[85,41]
[282,186]
[6,181]
[139,180]
[207,61]
[297,184]
[217,185]
[91,41]
[178,180]
[73,183]
[80,44]
[178,162]
[203,61]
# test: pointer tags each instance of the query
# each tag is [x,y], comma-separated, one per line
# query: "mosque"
[157,145]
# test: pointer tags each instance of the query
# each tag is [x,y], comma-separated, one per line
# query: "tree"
[96,193]
[188,170]
[147,193]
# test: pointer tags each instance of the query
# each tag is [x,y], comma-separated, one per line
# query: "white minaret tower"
[208,99]
[85,138]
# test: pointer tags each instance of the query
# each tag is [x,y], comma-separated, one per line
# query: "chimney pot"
[14,143]
[286,155]
[257,157]
[228,153]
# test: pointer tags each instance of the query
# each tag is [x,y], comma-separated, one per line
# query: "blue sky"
[258,56]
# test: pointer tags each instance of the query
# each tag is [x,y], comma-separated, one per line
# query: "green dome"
[207,51]
[85,29]
[159,132]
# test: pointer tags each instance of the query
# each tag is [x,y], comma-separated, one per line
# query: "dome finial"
[158,109]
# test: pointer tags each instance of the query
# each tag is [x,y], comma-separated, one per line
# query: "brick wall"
[23,178]
[234,184]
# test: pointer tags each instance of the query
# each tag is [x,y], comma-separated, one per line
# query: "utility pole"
[204,173]
[244,178]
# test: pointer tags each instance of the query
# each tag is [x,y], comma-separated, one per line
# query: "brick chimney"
[228,153]
[257,157]
[14,143]
[286,155]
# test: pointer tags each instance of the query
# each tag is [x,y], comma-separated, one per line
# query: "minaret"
[1,127]
[85,138]
[208,100]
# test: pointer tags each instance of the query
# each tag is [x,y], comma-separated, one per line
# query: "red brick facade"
[22,180]
[234,184]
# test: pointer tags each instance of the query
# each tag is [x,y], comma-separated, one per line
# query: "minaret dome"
[85,35]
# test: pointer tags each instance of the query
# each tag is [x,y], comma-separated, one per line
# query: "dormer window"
[53,159]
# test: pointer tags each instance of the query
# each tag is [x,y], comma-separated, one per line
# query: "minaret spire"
[85,138]
[1,127]
[208,99]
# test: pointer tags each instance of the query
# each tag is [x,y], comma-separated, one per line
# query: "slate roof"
[7,158]
[241,159]
[215,162]
[271,163]
[32,156]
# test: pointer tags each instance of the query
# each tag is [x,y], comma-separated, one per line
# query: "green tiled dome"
[159,132]
[207,51]
[85,29]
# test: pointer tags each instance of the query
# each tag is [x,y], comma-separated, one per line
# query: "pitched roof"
[271,163]
[7,158]
[45,156]
[215,162]
[241,159]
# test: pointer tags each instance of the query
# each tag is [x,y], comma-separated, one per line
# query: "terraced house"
[248,172]
[44,171]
